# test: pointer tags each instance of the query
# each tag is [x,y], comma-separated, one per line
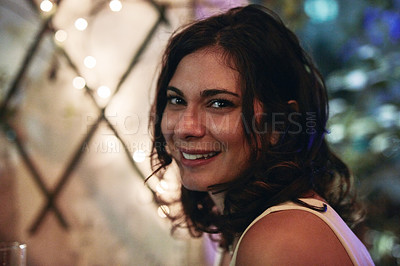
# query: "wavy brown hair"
[274,69]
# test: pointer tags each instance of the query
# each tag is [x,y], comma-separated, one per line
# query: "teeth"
[198,156]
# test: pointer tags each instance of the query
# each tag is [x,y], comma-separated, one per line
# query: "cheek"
[227,126]
[167,126]
[232,137]
[238,142]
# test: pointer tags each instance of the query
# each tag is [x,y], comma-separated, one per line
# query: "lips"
[197,156]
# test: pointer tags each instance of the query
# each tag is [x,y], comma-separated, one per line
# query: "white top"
[355,249]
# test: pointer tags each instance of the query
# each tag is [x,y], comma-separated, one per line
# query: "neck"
[218,199]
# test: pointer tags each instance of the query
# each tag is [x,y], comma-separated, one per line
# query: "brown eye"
[175,100]
[220,103]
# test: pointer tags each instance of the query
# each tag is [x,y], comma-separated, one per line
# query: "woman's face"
[202,122]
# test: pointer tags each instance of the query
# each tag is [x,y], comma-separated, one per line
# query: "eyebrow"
[205,93]
[177,91]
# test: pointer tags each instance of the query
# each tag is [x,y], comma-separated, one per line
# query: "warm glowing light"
[163,211]
[162,187]
[115,5]
[159,189]
[79,83]
[89,61]
[46,6]
[81,24]
[139,156]
[164,184]
[104,92]
[61,35]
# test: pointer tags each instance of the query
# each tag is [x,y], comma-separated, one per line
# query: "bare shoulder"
[291,237]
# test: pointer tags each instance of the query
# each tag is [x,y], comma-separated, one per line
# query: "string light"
[139,156]
[104,92]
[79,83]
[89,61]
[61,35]
[81,24]
[115,5]
[46,6]
[162,187]
[164,184]
[159,189]
[163,211]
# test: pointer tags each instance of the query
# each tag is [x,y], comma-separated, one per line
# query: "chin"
[193,186]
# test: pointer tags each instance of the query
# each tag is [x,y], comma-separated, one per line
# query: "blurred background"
[77,80]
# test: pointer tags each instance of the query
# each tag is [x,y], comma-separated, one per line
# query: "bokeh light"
[89,61]
[337,133]
[139,156]
[81,24]
[78,83]
[163,211]
[46,6]
[104,92]
[61,36]
[321,10]
[115,5]
[356,80]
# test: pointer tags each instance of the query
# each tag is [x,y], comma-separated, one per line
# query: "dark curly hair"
[274,69]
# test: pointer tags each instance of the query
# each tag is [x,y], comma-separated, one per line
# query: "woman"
[241,109]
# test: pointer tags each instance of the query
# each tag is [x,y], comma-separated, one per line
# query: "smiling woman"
[201,121]
[235,96]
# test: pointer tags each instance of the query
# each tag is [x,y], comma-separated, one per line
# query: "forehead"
[205,69]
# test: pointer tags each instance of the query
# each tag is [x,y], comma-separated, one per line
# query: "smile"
[188,156]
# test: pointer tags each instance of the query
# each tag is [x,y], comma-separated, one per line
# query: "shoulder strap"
[355,249]
[280,207]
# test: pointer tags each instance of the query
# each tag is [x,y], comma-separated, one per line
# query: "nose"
[190,124]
